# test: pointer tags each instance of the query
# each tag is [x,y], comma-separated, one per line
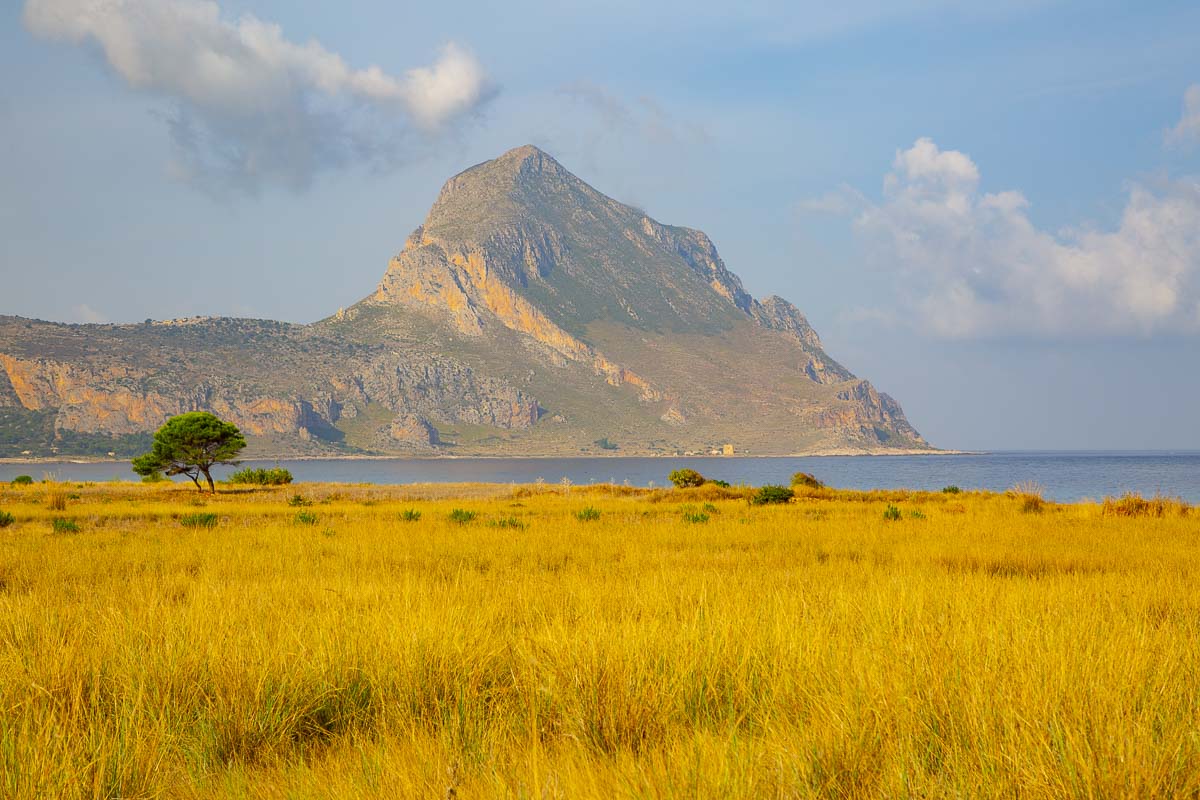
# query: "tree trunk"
[194,480]
[211,486]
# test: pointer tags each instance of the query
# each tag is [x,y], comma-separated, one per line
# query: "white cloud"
[1187,130]
[85,313]
[252,105]
[974,264]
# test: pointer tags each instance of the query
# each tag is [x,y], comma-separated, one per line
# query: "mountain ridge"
[528,314]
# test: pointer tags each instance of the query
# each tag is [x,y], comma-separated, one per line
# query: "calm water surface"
[1065,475]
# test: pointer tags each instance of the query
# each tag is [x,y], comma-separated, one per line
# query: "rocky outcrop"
[779,315]
[700,254]
[460,285]
[863,415]
[410,430]
[8,395]
[439,389]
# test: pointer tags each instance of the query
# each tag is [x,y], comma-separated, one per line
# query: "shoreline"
[831,453]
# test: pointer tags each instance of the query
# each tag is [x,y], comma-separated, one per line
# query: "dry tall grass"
[681,645]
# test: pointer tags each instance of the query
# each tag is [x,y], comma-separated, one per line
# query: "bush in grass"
[806,481]
[306,518]
[951,490]
[695,517]
[275,476]
[22,480]
[65,526]
[299,501]
[410,515]
[1031,495]
[6,519]
[587,514]
[722,484]
[1134,505]
[769,495]
[206,520]
[686,478]
[461,516]
[892,513]
[507,522]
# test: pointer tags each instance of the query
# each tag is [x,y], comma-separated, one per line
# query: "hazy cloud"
[253,107]
[843,201]
[645,117]
[1187,130]
[974,264]
[85,313]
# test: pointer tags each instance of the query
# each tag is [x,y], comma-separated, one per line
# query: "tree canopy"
[191,444]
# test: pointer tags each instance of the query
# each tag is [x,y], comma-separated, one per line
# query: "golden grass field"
[975,647]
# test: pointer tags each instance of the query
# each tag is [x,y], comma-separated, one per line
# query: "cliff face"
[289,387]
[528,314]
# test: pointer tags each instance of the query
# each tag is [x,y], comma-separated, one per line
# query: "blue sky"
[992,213]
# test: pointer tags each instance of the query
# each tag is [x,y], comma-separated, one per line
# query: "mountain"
[528,314]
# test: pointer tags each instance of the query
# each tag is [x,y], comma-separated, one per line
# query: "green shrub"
[462,516]
[951,490]
[6,519]
[768,495]
[204,520]
[916,515]
[298,501]
[695,517]
[722,484]
[605,444]
[410,515]
[709,508]
[892,513]
[275,476]
[22,480]
[686,478]
[806,481]
[66,526]
[306,518]
[587,514]
[507,522]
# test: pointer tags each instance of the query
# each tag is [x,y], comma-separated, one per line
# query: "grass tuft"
[199,520]
[62,525]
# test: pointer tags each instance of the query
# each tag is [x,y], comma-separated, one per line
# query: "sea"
[1063,476]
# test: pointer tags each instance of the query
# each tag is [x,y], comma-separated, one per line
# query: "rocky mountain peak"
[529,313]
